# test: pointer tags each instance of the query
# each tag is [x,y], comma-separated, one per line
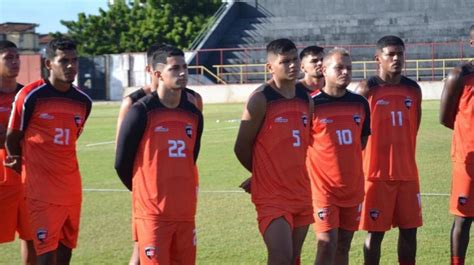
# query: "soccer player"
[311,65]
[47,118]
[12,201]
[457,113]
[127,103]
[340,128]
[392,185]
[272,143]
[157,149]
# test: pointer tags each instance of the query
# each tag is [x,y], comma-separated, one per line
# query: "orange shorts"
[166,243]
[13,214]
[296,217]
[391,204]
[52,223]
[328,217]
[462,190]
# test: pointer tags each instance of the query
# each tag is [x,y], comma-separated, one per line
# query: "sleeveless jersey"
[279,175]
[395,110]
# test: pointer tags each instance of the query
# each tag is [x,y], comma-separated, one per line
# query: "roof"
[44,38]
[9,27]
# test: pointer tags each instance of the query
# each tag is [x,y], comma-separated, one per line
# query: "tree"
[126,27]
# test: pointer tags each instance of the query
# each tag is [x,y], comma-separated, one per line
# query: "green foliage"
[134,27]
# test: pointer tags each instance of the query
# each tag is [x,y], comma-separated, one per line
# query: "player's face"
[175,73]
[9,63]
[285,66]
[63,67]
[312,65]
[391,59]
[338,71]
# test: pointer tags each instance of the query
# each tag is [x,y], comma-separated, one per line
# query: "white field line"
[232,191]
[209,130]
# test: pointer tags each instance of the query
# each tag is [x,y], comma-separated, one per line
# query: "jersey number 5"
[296,135]
[176,148]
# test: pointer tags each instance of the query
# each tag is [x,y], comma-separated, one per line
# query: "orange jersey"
[334,158]
[279,175]
[51,122]
[158,147]
[395,118]
[462,149]
[8,176]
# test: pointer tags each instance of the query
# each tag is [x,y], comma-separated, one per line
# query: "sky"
[47,13]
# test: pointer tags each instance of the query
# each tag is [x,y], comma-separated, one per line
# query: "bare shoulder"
[362,88]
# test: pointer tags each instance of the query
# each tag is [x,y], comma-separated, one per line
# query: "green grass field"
[227,228]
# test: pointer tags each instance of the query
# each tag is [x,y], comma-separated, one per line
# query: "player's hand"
[13,162]
[246,185]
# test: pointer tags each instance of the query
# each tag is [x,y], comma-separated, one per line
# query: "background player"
[457,113]
[127,103]
[12,197]
[46,120]
[392,184]
[163,168]
[341,125]
[271,143]
[312,67]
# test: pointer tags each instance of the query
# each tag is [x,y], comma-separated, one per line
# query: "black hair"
[62,44]
[280,46]
[389,41]
[161,52]
[6,44]
[311,50]
[151,51]
[471,28]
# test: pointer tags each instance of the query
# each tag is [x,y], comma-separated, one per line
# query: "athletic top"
[279,175]
[157,150]
[395,110]
[8,176]
[335,153]
[462,149]
[51,121]
[300,84]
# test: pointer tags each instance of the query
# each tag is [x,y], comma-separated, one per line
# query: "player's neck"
[7,84]
[59,85]
[390,78]
[334,91]
[153,86]
[313,83]
[169,97]
[285,87]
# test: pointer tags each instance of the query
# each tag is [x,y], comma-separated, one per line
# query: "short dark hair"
[389,40]
[162,52]
[280,46]
[311,50]
[471,28]
[62,44]
[151,51]
[6,44]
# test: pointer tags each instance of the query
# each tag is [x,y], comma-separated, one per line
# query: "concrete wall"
[240,93]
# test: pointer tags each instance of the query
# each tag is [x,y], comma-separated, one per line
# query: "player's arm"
[450,97]
[197,145]
[252,119]
[124,108]
[362,89]
[130,135]
[199,103]
[13,147]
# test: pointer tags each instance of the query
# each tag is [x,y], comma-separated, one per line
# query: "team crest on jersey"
[356,118]
[462,200]
[41,234]
[323,213]
[304,119]
[150,252]
[374,214]
[189,130]
[408,102]
[78,120]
